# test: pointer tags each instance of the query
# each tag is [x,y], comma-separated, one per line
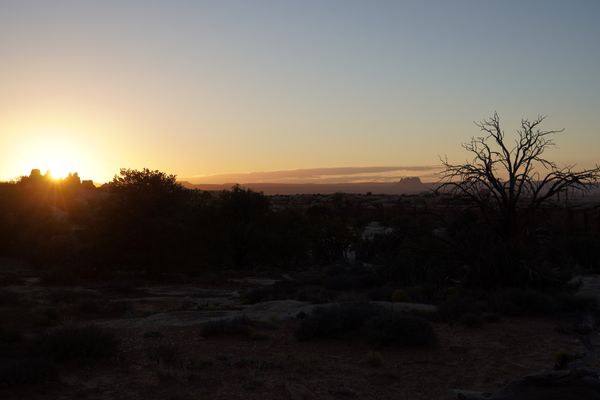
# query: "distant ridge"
[408,185]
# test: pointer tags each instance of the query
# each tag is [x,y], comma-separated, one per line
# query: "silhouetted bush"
[459,304]
[167,354]
[400,330]
[234,326]
[336,321]
[25,371]
[576,303]
[10,297]
[472,320]
[380,294]
[374,359]
[85,343]
[145,223]
[518,301]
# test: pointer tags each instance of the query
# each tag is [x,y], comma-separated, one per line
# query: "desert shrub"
[351,278]
[396,329]
[238,326]
[164,354]
[490,317]
[258,295]
[316,295]
[423,293]
[472,320]
[278,291]
[234,326]
[400,296]
[519,301]
[335,321]
[153,335]
[374,359]
[166,376]
[457,305]
[9,335]
[562,360]
[25,371]
[380,294]
[576,303]
[10,298]
[77,343]
[43,317]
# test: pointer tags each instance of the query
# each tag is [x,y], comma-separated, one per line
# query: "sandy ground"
[183,365]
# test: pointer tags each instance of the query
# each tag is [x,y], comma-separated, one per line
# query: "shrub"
[457,305]
[9,335]
[235,326]
[164,354]
[77,343]
[397,329]
[380,294]
[471,320]
[335,321]
[572,302]
[400,296]
[25,371]
[374,359]
[490,317]
[10,298]
[518,301]
[562,360]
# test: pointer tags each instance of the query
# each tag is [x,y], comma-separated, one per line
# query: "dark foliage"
[374,323]
[85,343]
[399,330]
[518,301]
[25,371]
[336,321]
[235,326]
[145,223]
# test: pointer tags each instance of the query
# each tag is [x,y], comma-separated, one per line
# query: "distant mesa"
[377,180]
[412,183]
[407,185]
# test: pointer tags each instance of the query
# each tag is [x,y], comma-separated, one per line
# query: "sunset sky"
[221,87]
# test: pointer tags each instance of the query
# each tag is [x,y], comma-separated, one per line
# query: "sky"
[222,87]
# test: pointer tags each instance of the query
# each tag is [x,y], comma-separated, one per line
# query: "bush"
[164,354]
[521,302]
[400,296]
[572,302]
[380,294]
[25,371]
[472,320]
[77,343]
[396,329]
[336,321]
[374,359]
[10,298]
[234,326]
[457,305]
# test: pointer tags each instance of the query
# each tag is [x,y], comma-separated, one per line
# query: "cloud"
[323,175]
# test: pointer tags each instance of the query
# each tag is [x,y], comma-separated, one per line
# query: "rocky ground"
[164,355]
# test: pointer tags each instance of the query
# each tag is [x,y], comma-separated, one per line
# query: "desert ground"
[164,353]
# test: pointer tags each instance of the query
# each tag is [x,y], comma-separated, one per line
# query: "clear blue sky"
[194,87]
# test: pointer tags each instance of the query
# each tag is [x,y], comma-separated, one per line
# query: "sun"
[59,144]
[51,155]
[58,168]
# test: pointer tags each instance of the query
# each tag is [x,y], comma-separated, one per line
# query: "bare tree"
[512,182]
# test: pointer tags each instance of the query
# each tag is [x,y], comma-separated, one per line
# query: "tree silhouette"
[509,183]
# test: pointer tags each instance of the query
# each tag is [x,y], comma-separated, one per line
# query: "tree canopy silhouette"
[506,181]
